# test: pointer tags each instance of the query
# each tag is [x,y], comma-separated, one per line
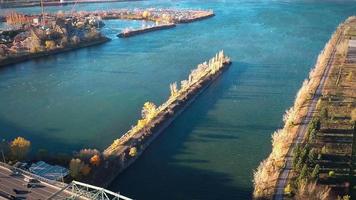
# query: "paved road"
[283,176]
[9,181]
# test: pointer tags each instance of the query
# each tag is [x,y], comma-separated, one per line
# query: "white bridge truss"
[78,191]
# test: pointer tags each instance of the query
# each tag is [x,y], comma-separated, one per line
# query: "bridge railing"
[40,178]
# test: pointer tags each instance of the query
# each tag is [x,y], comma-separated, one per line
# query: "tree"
[331,173]
[296,155]
[353,115]
[349,76]
[75,167]
[324,113]
[20,147]
[312,155]
[315,173]
[304,173]
[149,110]
[304,154]
[35,42]
[86,154]
[95,160]
[346,197]
[312,136]
[288,190]
[173,88]
[75,40]
[85,170]
[133,151]
[299,165]
[50,44]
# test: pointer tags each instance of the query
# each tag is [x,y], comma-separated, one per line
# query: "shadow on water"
[158,172]
[38,139]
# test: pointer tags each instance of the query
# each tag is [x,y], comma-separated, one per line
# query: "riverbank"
[125,150]
[30,56]
[129,33]
[58,34]
[273,174]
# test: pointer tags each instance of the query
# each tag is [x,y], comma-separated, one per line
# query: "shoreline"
[30,56]
[283,140]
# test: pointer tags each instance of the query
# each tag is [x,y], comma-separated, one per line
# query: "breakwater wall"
[129,33]
[125,150]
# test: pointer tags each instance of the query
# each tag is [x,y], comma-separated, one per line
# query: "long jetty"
[133,32]
[125,150]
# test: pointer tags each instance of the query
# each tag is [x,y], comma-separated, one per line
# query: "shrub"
[315,173]
[85,170]
[353,115]
[288,190]
[304,173]
[95,160]
[133,151]
[299,165]
[331,173]
[50,44]
[20,147]
[349,76]
[312,155]
[75,40]
[86,154]
[312,136]
[324,113]
[75,167]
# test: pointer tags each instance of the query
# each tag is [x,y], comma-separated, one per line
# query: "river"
[87,98]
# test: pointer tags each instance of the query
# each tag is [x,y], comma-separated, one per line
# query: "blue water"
[86,98]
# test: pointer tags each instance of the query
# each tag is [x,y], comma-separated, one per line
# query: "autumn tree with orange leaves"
[20,147]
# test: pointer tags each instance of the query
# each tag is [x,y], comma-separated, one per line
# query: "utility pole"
[3,156]
[2,151]
[42,10]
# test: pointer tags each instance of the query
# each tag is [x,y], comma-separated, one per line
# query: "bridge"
[13,185]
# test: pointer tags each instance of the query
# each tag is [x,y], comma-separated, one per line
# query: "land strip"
[297,166]
[125,150]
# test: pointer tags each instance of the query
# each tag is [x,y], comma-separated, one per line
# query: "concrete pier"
[129,33]
[124,151]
